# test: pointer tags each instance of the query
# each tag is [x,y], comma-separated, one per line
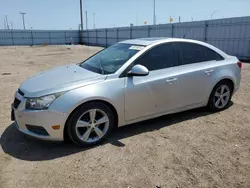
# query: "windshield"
[111,59]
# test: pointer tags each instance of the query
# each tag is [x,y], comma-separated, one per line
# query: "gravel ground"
[189,149]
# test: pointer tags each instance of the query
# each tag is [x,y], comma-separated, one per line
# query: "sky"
[65,14]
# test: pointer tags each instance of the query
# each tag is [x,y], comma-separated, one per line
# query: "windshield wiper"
[101,66]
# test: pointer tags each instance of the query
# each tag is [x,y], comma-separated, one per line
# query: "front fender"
[111,91]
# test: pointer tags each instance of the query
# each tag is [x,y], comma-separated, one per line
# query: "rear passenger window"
[159,57]
[190,53]
[212,55]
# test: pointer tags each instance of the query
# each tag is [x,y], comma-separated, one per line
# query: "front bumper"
[40,118]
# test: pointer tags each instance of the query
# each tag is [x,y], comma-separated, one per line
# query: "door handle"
[171,80]
[209,71]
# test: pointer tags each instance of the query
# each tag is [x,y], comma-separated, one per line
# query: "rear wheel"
[221,96]
[90,124]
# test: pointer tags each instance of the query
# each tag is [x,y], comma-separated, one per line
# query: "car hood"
[59,79]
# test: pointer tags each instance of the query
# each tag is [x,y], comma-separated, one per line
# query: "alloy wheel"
[92,125]
[222,96]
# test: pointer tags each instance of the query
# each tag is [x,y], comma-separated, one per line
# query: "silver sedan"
[131,81]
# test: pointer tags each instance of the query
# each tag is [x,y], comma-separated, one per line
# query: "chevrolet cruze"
[131,81]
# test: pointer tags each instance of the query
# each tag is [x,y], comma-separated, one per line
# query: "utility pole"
[93,20]
[7,22]
[213,14]
[136,19]
[86,20]
[154,14]
[11,23]
[179,19]
[23,13]
[4,23]
[136,15]
[81,14]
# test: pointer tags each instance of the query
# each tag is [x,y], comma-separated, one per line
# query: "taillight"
[239,64]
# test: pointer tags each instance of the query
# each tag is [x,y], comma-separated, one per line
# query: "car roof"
[149,41]
[158,40]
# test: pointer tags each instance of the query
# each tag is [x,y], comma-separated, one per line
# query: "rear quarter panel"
[226,69]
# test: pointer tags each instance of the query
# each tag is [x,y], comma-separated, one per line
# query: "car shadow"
[24,147]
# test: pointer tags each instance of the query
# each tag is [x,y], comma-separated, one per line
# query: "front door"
[157,92]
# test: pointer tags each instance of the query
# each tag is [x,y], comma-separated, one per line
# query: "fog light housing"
[37,130]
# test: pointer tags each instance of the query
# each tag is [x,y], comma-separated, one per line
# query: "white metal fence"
[231,35]
[38,37]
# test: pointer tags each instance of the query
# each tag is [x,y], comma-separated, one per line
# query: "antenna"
[185,34]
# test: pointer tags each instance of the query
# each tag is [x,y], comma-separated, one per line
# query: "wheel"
[221,96]
[90,124]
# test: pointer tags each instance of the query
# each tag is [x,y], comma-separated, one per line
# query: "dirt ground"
[189,149]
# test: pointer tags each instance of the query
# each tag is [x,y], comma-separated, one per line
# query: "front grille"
[37,129]
[16,103]
[20,92]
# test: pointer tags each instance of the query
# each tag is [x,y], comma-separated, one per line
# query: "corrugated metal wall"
[231,35]
[38,37]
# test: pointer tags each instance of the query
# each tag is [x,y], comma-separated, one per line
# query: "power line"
[23,13]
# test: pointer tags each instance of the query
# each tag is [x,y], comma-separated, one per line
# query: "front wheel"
[221,96]
[90,124]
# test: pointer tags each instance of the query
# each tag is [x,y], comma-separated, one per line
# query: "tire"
[215,102]
[84,130]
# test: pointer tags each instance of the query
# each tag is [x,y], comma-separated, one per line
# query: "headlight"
[41,103]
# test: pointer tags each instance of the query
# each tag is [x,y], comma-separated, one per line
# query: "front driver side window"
[159,57]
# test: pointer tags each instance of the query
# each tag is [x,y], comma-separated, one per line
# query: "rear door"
[156,92]
[196,72]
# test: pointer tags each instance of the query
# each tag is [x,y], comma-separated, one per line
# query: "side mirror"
[138,70]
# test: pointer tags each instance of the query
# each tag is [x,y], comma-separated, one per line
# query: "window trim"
[128,68]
